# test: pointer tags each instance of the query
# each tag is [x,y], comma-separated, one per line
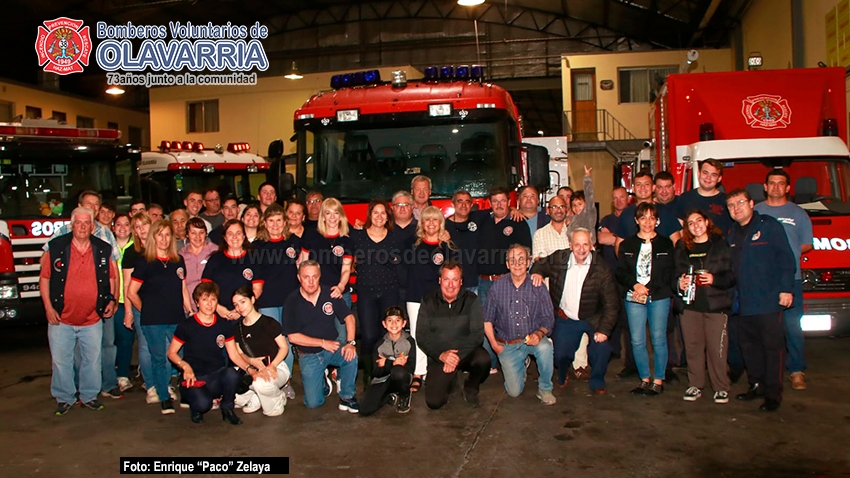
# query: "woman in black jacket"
[704,319]
[647,271]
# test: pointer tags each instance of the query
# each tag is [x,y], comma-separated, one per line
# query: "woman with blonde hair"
[329,246]
[424,258]
[158,290]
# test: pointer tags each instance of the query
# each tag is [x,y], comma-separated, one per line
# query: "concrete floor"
[582,435]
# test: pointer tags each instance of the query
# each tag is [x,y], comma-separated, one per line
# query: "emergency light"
[238,147]
[706,132]
[830,127]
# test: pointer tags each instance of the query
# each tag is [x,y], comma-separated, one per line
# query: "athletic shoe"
[391,399]
[494,371]
[172,393]
[152,397]
[215,403]
[721,397]
[184,403]
[253,404]
[167,407]
[62,408]
[692,394]
[349,405]
[124,384]
[114,393]
[403,404]
[94,405]
[289,391]
[328,385]
[336,380]
[654,389]
[798,380]
[546,397]
[527,361]
[640,389]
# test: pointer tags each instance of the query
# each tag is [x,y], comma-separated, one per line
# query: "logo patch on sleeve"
[328,308]
[290,252]
[438,258]
[181,273]
[248,274]
[338,251]
[220,341]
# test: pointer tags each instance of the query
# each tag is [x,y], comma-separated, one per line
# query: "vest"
[60,256]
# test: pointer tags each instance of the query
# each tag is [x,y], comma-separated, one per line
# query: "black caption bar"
[205,466]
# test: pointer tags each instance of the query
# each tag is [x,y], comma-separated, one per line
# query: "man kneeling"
[518,317]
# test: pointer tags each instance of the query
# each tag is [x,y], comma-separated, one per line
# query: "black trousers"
[370,313]
[763,347]
[221,383]
[438,386]
[376,393]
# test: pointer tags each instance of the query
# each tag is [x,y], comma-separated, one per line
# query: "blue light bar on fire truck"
[432,73]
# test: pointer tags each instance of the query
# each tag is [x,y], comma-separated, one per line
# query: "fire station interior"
[587,72]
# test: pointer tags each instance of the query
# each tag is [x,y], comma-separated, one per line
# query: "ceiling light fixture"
[115,90]
[469,3]
[293,74]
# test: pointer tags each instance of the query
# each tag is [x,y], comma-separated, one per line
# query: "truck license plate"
[819,322]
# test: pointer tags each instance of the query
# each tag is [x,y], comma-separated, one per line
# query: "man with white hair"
[74,313]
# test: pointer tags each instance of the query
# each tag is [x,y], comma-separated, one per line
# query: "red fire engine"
[43,167]
[754,121]
[369,138]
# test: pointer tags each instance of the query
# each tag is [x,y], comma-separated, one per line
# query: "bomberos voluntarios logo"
[63,47]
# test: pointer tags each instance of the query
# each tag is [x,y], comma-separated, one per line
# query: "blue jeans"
[108,354]
[567,338]
[63,339]
[124,339]
[159,339]
[313,379]
[144,352]
[277,314]
[483,289]
[794,339]
[656,312]
[513,365]
[340,328]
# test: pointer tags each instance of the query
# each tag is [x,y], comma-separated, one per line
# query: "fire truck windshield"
[49,189]
[362,163]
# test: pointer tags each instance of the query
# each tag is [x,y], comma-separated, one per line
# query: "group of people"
[223,296]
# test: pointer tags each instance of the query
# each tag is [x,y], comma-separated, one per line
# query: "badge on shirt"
[472,227]
[248,274]
[181,273]
[58,265]
[437,258]
[508,230]
[290,252]
[756,236]
[338,251]
[220,341]
[328,308]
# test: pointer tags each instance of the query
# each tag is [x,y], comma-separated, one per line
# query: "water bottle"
[690,293]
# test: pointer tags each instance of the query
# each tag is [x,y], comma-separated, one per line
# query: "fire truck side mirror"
[538,166]
[275,149]
[284,182]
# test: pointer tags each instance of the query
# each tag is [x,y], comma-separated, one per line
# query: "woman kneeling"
[206,375]
[260,343]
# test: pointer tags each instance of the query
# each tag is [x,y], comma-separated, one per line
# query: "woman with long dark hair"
[647,271]
[158,291]
[704,256]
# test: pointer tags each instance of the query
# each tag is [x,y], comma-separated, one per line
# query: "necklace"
[164,263]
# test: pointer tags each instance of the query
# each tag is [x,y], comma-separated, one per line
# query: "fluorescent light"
[115,90]
[469,3]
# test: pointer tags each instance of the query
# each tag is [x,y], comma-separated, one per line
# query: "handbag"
[245,379]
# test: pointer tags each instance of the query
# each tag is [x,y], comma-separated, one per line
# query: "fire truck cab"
[178,167]
[756,121]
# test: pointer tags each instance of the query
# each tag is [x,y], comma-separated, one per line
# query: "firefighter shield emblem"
[328,308]
[248,274]
[766,112]
[64,46]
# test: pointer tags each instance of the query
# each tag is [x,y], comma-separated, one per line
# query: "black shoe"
[197,417]
[769,405]
[755,391]
[654,389]
[391,399]
[230,417]
[627,373]
[640,389]
[735,375]
[166,407]
[670,376]
[403,404]
[471,398]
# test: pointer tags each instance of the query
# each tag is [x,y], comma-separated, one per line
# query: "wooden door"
[584,124]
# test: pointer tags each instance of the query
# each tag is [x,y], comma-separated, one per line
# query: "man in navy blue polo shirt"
[308,321]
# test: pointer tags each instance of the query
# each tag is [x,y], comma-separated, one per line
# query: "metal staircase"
[607,135]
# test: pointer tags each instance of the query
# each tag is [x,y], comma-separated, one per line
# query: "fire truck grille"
[826,280]
[27,253]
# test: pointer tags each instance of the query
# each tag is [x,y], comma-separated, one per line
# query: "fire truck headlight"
[8,292]
[208,168]
[440,110]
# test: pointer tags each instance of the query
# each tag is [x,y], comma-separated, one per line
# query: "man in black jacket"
[584,295]
[450,331]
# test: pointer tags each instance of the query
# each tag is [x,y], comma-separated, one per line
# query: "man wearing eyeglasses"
[707,197]
[212,208]
[518,318]
[764,265]
[405,228]
[552,236]
[314,205]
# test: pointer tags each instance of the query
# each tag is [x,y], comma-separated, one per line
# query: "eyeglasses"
[314,201]
[736,204]
[517,261]
[402,204]
[557,207]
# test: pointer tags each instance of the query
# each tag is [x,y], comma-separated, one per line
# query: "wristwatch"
[352,342]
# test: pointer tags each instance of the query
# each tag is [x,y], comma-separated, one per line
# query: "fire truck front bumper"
[826,317]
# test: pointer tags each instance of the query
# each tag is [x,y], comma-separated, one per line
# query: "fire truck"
[44,165]
[754,121]
[178,167]
[369,138]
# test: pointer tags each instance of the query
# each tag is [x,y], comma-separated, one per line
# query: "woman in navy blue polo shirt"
[232,267]
[158,290]
[206,374]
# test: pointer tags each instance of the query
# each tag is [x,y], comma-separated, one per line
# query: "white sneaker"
[152,396]
[172,393]
[546,397]
[692,394]
[336,380]
[253,404]
[216,403]
[124,384]
[721,397]
[288,391]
